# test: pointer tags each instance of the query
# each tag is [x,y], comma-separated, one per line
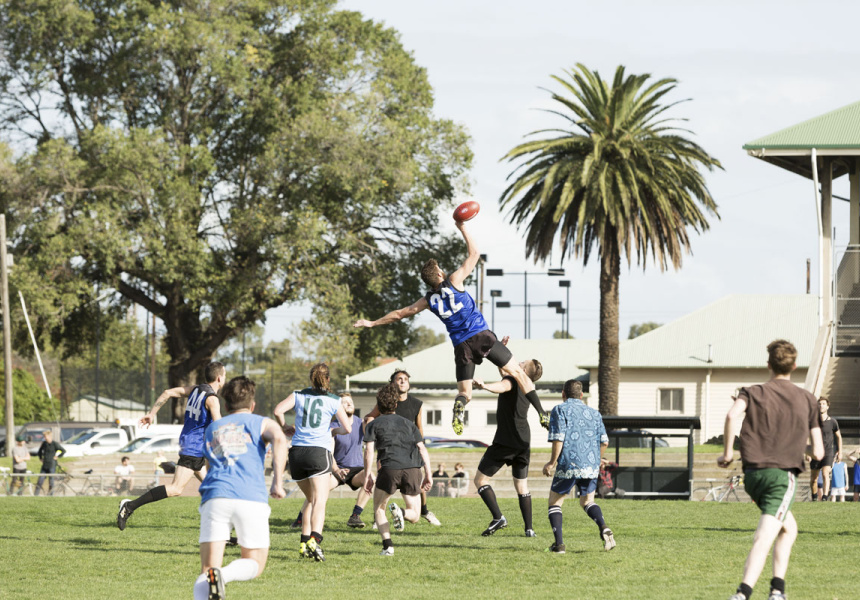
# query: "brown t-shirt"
[776,428]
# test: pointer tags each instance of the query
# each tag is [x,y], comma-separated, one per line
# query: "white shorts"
[251,520]
[838,491]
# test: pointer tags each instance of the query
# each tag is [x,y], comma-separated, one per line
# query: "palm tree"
[620,178]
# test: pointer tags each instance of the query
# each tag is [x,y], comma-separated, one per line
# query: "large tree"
[211,160]
[620,178]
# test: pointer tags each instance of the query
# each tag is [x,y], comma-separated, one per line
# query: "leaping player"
[473,341]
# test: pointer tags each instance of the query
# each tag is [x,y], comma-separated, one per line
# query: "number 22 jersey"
[197,419]
[457,310]
[314,410]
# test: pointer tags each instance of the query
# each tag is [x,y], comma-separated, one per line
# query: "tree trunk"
[608,370]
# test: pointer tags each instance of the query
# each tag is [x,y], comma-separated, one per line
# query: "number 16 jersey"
[314,410]
[457,310]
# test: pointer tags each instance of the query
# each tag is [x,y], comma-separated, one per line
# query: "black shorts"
[407,481]
[497,456]
[353,471]
[309,461]
[827,461]
[195,463]
[474,350]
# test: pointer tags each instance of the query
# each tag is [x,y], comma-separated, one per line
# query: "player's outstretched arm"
[395,315]
[272,433]
[497,387]
[283,406]
[472,256]
[177,392]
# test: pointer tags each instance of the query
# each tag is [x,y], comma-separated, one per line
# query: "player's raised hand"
[145,420]
[362,323]
[505,340]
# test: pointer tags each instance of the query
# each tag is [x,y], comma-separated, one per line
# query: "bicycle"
[10,476]
[720,492]
[63,487]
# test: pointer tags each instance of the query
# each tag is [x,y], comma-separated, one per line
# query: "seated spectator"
[605,483]
[124,476]
[459,482]
[440,479]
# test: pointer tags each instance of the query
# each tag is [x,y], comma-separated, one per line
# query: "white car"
[96,441]
[151,444]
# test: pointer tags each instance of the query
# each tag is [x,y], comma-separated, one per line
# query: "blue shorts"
[564,486]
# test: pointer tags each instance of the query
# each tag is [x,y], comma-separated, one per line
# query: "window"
[434,417]
[492,418]
[672,400]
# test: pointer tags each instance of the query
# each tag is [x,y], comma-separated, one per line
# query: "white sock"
[201,588]
[241,569]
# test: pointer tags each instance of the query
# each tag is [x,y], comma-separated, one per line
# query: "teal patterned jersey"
[581,431]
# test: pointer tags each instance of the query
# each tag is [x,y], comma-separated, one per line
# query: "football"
[466,211]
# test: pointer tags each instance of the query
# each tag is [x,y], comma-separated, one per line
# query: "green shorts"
[772,490]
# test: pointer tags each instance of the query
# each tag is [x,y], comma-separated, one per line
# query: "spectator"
[48,455]
[159,470]
[839,482]
[20,456]
[855,456]
[458,487]
[605,484]
[124,476]
[440,476]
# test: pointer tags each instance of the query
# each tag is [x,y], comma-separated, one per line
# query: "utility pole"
[7,339]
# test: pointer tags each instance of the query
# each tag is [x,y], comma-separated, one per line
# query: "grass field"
[63,548]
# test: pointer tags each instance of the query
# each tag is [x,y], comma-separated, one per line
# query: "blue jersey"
[457,310]
[347,448]
[197,419]
[236,451]
[314,410]
[581,431]
[840,475]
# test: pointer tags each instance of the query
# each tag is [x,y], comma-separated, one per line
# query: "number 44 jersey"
[197,418]
[314,411]
[457,310]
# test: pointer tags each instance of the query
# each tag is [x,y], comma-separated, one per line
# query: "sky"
[748,70]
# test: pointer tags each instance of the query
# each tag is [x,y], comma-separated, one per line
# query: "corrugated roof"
[738,328]
[118,404]
[435,366]
[839,128]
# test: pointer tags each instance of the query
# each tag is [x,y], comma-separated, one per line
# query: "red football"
[466,211]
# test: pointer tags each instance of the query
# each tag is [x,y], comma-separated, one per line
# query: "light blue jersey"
[236,451]
[314,411]
[457,310]
[581,430]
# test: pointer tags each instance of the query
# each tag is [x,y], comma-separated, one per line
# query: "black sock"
[533,399]
[357,510]
[593,511]
[153,495]
[526,509]
[386,544]
[304,538]
[554,513]
[461,398]
[745,590]
[424,509]
[317,536]
[299,517]
[778,584]
[489,497]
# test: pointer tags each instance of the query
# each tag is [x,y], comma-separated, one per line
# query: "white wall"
[85,410]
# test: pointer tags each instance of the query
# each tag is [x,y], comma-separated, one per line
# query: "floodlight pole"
[7,339]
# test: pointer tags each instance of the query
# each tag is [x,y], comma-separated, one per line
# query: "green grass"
[63,548]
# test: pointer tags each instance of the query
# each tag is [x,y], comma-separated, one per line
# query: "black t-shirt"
[396,441]
[512,417]
[828,436]
[409,408]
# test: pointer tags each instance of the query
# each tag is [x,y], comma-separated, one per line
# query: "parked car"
[63,431]
[634,438]
[151,444]
[445,443]
[96,441]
